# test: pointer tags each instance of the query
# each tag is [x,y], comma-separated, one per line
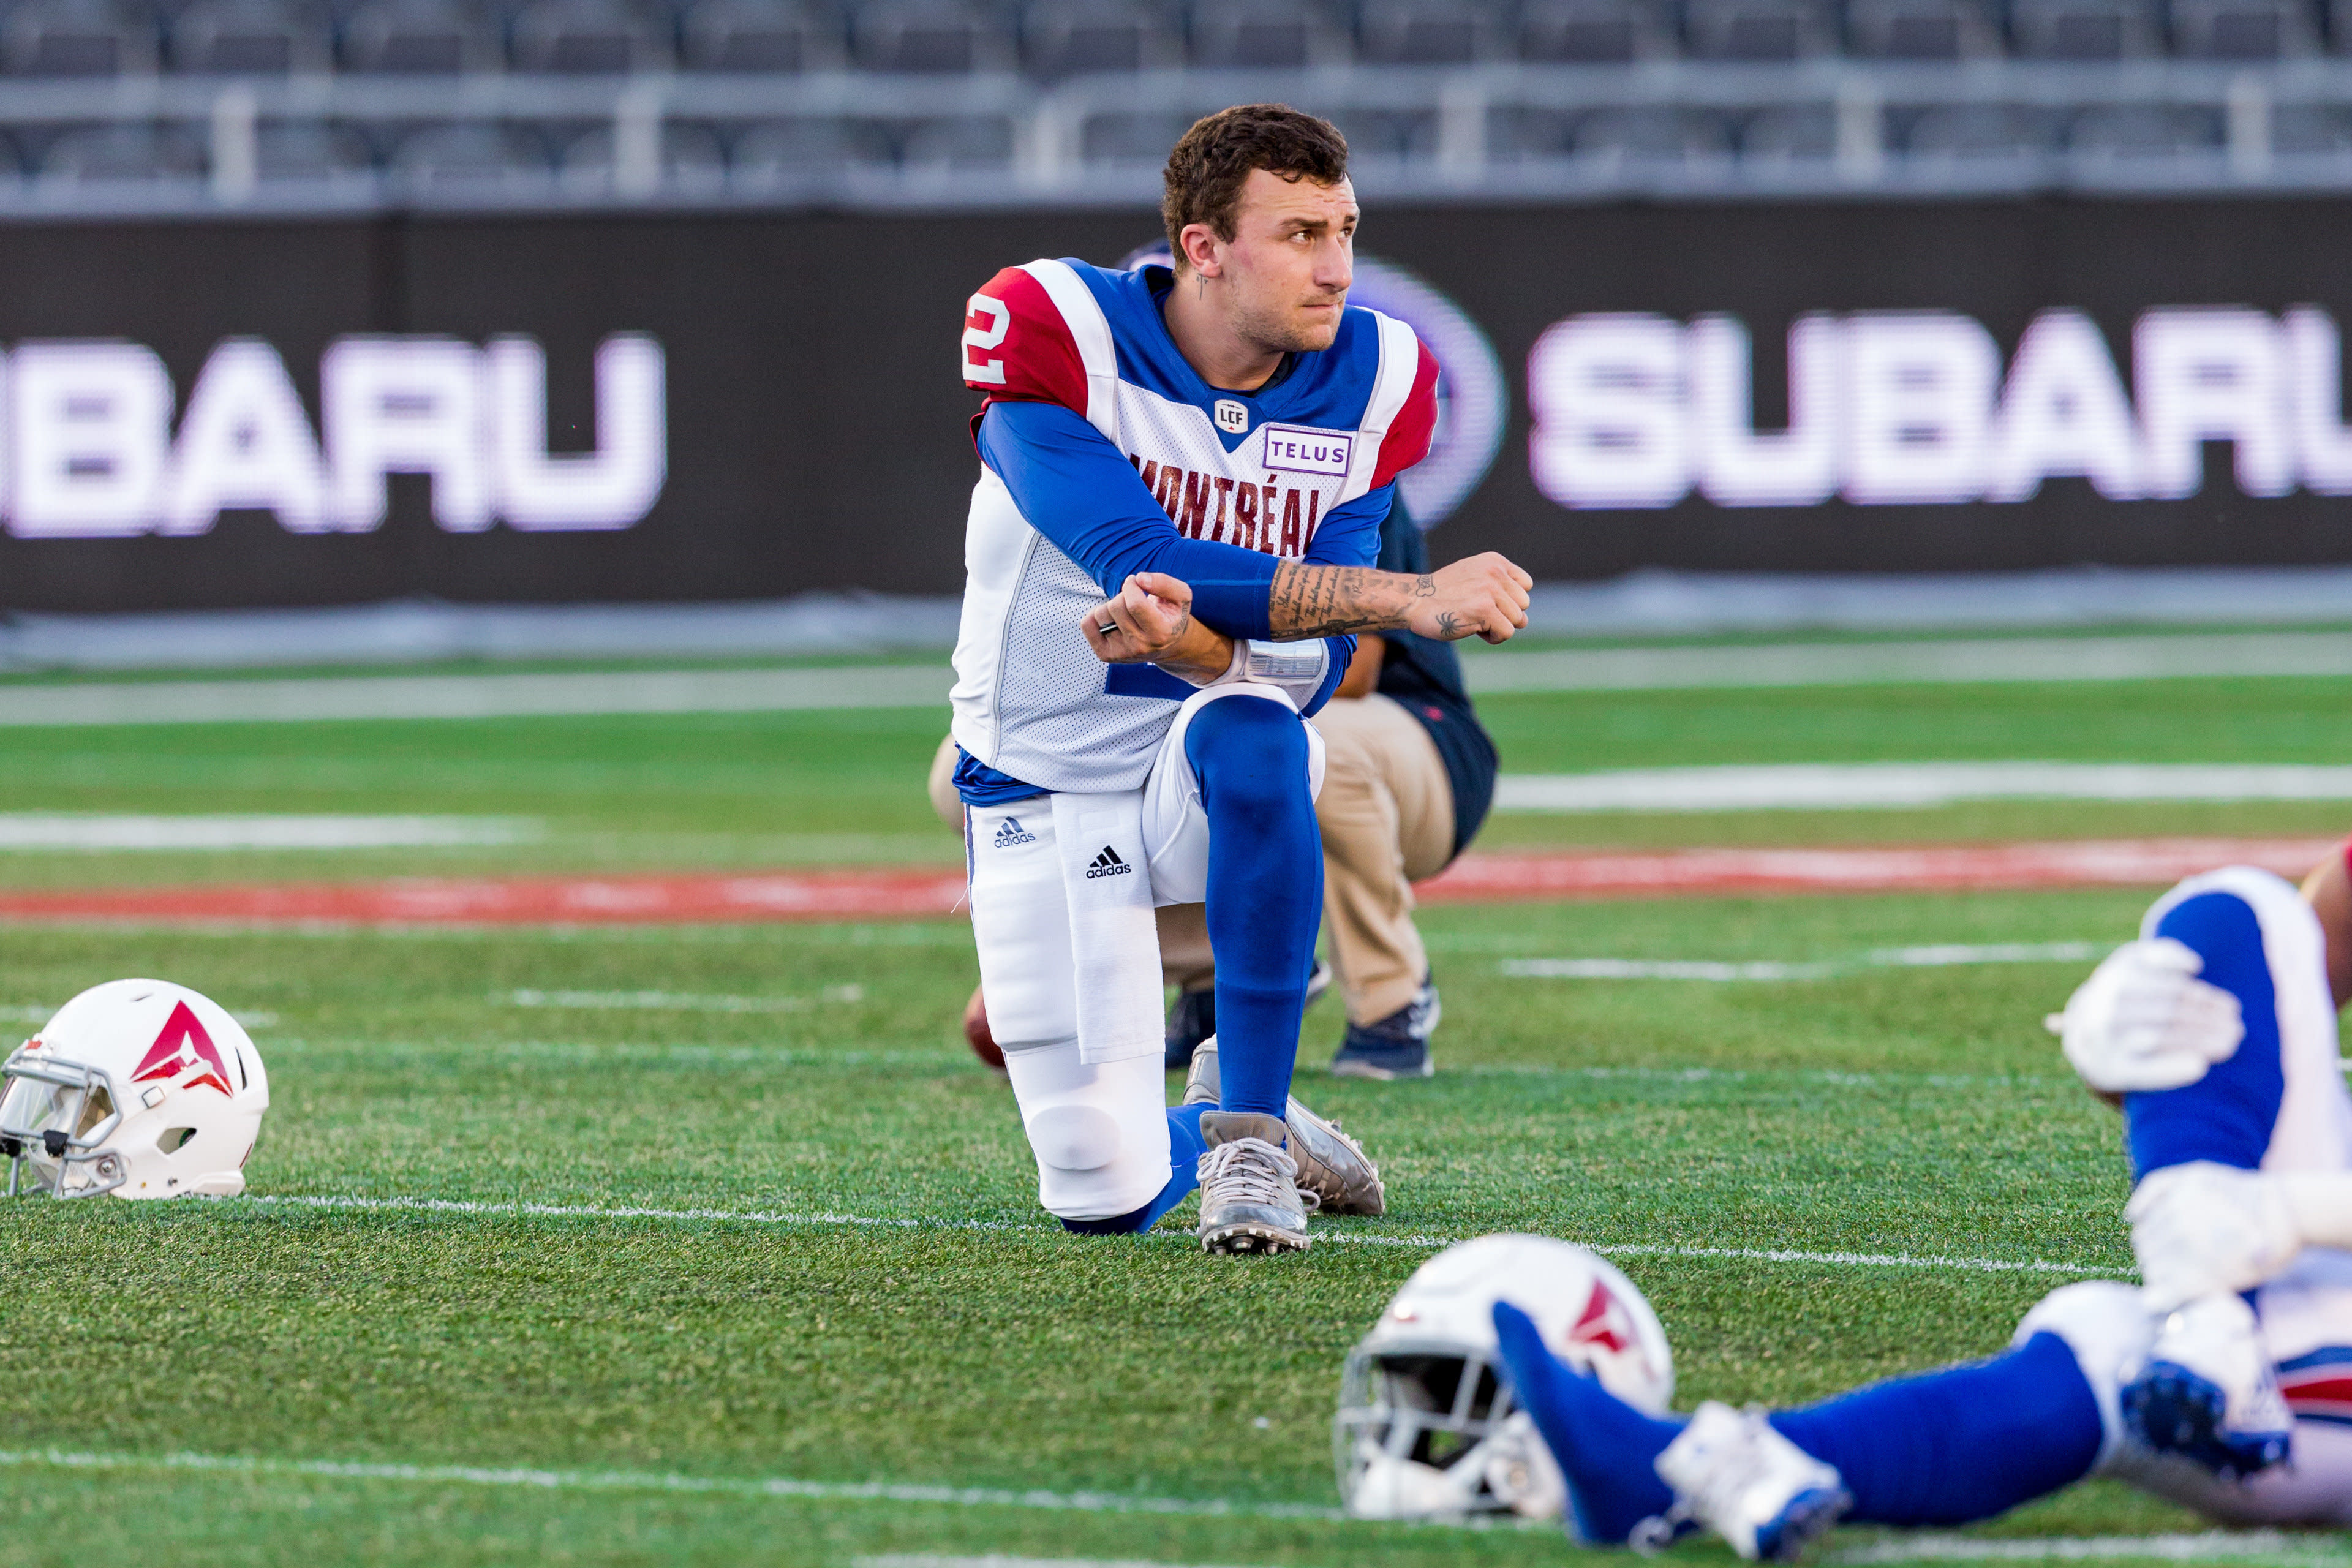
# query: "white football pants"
[1095,1111]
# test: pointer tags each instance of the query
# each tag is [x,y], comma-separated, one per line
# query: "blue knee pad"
[2228,1115]
[1264,886]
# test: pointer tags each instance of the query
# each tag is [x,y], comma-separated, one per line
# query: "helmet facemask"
[58,1115]
[1433,1430]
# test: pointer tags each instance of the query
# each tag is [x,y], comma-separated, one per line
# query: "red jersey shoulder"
[1409,433]
[1017,347]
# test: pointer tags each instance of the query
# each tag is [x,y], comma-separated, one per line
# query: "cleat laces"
[1253,1171]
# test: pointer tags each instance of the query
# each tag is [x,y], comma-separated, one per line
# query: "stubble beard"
[1281,332]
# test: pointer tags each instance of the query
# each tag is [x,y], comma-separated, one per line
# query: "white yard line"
[520,1210]
[500,696]
[997,1560]
[475,696]
[649,1481]
[1846,787]
[2179,1548]
[676,1001]
[80,830]
[1944,661]
[1941,955]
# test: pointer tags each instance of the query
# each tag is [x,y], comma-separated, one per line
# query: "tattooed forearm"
[1330,601]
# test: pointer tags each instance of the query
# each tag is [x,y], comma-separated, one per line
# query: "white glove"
[2203,1229]
[2144,1021]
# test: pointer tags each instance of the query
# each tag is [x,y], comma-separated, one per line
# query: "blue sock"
[2228,1115]
[1266,890]
[1603,1446]
[1966,1443]
[1184,1152]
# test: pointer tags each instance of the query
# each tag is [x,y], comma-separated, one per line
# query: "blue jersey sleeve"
[1075,489]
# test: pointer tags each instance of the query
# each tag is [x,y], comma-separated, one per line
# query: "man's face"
[1290,261]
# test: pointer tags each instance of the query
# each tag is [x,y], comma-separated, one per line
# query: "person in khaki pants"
[1408,774]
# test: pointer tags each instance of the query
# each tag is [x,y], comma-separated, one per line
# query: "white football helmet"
[138,1087]
[1426,1426]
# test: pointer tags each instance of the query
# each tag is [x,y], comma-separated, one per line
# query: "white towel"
[1113,939]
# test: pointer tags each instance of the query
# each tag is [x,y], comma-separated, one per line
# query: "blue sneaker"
[1397,1046]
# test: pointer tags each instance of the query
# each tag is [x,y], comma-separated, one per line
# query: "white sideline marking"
[1940,662]
[250,1018]
[644,1480]
[739,1216]
[475,696]
[77,830]
[2179,1548]
[1844,786]
[677,1001]
[1942,955]
[997,1560]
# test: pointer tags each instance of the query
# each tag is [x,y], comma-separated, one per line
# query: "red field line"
[898,894]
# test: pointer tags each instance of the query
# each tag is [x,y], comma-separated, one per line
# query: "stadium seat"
[1130,138]
[472,163]
[785,155]
[312,158]
[1067,38]
[250,37]
[1792,139]
[2083,29]
[693,163]
[1662,138]
[2310,131]
[929,36]
[1424,32]
[417,37]
[586,37]
[959,143]
[1517,135]
[2243,29]
[75,39]
[1755,29]
[1982,140]
[124,158]
[1388,133]
[1262,35]
[759,35]
[1920,30]
[1591,32]
[2141,133]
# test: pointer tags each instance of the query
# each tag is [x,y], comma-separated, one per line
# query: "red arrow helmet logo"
[185,1053]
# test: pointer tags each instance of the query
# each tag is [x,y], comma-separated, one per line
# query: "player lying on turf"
[1213,448]
[2216,1031]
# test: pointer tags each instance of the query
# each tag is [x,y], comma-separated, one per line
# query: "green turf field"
[435,1336]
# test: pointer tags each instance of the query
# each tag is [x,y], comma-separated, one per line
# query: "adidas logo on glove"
[1012,833]
[1109,864]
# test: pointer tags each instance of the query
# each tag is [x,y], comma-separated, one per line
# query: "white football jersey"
[1261,472]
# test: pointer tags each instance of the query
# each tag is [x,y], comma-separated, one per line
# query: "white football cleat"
[1331,1165]
[1736,1474]
[2208,1390]
[1250,1198]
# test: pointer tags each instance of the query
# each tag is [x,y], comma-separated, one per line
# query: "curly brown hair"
[1202,183]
